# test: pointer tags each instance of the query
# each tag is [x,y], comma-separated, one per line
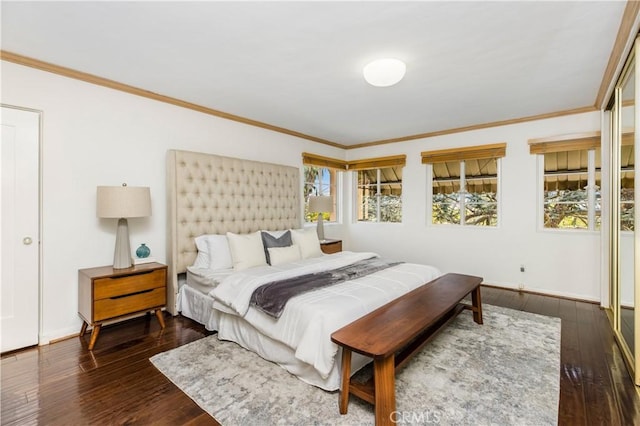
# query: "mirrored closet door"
[624,243]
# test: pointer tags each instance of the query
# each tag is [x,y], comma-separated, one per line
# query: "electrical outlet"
[521,286]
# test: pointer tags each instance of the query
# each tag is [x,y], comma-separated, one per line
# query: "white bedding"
[203,279]
[308,320]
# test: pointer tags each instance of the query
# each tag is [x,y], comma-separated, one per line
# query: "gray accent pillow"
[269,241]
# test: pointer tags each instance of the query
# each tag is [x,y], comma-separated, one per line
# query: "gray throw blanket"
[271,298]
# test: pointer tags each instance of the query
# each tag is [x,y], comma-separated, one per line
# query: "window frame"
[375,164]
[491,151]
[338,166]
[626,140]
[377,195]
[337,186]
[572,142]
[462,204]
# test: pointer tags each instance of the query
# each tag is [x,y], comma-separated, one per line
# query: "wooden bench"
[394,332]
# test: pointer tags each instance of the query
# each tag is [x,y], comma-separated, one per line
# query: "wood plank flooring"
[64,384]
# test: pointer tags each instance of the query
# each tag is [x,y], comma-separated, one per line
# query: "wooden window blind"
[367,163]
[572,142]
[378,163]
[497,150]
[319,161]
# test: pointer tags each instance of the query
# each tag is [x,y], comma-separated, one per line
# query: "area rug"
[505,372]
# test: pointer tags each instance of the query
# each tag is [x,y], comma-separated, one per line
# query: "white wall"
[96,136]
[565,263]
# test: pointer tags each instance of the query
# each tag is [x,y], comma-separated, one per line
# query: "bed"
[215,200]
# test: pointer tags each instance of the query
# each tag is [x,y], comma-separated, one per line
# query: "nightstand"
[105,294]
[331,246]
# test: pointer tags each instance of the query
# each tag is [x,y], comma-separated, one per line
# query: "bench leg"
[476,302]
[385,389]
[343,403]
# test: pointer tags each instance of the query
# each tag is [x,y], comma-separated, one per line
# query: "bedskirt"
[199,307]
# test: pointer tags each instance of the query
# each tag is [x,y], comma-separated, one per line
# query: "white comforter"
[309,319]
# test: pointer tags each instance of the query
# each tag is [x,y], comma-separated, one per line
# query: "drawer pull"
[132,294]
[137,274]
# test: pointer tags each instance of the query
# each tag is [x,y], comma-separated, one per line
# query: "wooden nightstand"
[105,294]
[331,246]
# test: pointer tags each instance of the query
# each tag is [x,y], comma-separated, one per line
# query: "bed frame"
[211,194]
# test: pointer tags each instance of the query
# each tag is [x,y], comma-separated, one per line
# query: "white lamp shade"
[320,204]
[384,72]
[123,201]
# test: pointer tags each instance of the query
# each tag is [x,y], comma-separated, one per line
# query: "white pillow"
[247,250]
[280,255]
[202,259]
[213,252]
[308,241]
[219,252]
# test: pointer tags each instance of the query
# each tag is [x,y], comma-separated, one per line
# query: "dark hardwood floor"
[626,326]
[65,384]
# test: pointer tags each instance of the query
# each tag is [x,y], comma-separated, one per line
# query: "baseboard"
[68,333]
[544,293]
[58,335]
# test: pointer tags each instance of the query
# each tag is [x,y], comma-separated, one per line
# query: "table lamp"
[320,205]
[122,202]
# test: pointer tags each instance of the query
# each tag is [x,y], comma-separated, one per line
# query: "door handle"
[27,241]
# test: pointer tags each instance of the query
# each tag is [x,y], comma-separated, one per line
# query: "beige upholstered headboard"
[211,194]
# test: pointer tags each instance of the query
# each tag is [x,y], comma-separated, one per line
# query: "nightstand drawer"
[123,305]
[117,286]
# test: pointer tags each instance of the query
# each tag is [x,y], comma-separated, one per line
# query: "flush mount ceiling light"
[384,72]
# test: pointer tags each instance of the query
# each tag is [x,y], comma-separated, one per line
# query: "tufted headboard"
[211,194]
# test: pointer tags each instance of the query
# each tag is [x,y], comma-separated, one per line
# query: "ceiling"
[298,65]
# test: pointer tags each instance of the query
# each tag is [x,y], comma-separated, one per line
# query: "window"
[464,185]
[571,181]
[321,176]
[320,181]
[380,195]
[570,200]
[627,186]
[379,188]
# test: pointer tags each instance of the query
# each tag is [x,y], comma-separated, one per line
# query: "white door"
[19,233]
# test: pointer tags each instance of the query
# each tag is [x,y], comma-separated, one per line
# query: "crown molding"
[100,81]
[621,48]
[476,127]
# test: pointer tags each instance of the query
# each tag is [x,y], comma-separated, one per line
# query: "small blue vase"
[143,251]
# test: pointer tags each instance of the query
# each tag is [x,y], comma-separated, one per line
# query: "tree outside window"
[571,179]
[572,197]
[320,181]
[464,184]
[465,192]
[379,194]
[627,186]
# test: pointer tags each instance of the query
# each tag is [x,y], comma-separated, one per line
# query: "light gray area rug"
[505,372]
